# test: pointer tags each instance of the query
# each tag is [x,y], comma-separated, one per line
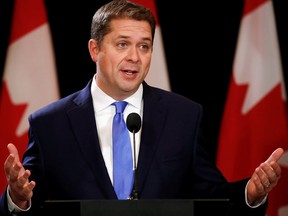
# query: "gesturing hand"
[264,178]
[20,189]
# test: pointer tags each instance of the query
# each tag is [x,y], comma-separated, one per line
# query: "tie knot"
[120,106]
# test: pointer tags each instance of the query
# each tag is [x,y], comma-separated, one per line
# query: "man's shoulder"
[66,102]
[169,96]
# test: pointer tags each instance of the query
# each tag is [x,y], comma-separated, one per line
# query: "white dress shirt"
[104,112]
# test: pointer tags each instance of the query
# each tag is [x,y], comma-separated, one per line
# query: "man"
[70,157]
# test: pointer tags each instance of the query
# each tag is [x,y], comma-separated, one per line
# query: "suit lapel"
[83,124]
[151,132]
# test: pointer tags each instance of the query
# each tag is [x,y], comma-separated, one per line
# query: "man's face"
[123,61]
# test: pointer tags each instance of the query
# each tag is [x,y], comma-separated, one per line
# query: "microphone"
[133,123]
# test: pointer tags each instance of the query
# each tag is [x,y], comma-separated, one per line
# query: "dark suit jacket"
[65,159]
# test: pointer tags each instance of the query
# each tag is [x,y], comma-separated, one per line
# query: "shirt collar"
[101,100]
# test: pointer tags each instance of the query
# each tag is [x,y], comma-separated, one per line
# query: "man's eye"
[144,46]
[122,44]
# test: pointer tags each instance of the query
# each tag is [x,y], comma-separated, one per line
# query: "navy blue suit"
[65,159]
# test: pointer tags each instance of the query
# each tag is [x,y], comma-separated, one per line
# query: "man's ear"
[93,49]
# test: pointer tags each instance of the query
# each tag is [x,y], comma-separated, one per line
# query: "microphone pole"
[133,123]
[135,189]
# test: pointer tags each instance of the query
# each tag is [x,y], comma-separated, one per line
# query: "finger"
[276,155]
[13,150]
[264,184]
[31,185]
[269,175]
[262,175]
[23,180]
[259,187]
[273,172]
[14,172]
[28,190]
[277,169]
[8,165]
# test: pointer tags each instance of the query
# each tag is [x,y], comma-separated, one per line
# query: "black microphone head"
[133,122]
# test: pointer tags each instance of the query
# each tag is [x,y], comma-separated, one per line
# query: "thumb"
[276,155]
[13,150]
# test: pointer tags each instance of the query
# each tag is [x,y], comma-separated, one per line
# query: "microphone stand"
[134,195]
[133,123]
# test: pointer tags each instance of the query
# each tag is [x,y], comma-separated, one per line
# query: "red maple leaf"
[10,116]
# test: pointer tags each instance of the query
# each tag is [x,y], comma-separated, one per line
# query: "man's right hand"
[20,189]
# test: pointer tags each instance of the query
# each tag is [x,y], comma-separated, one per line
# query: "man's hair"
[118,9]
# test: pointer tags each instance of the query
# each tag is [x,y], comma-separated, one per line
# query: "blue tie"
[122,154]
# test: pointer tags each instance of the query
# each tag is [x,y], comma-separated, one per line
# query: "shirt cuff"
[13,207]
[254,206]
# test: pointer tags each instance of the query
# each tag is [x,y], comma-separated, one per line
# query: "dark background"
[199,42]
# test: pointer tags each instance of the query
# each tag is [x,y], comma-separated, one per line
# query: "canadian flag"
[158,74]
[29,78]
[254,121]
